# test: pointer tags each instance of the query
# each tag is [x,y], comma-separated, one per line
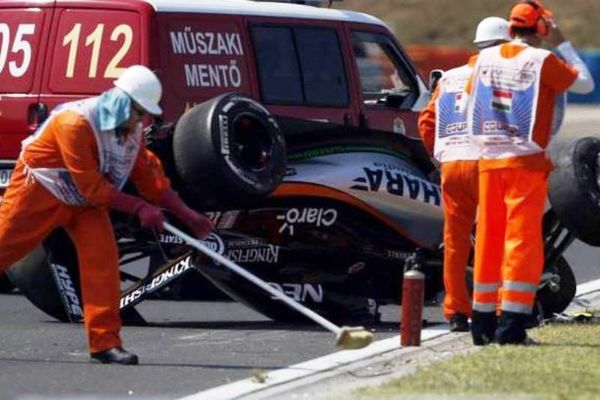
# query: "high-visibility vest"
[116,156]
[452,137]
[503,105]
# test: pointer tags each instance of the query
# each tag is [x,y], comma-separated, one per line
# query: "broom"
[346,337]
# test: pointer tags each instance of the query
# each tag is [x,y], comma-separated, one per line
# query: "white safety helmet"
[492,29]
[142,86]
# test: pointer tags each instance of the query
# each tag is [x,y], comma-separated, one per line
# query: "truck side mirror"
[434,77]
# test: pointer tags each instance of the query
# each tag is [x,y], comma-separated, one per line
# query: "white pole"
[254,279]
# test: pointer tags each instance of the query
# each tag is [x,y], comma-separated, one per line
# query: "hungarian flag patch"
[502,100]
[457,99]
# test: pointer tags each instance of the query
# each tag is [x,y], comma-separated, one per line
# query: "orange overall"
[29,212]
[512,192]
[459,193]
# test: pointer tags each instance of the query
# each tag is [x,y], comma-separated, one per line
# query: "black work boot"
[483,327]
[459,323]
[116,355]
[511,329]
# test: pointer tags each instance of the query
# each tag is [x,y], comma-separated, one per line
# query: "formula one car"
[346,213]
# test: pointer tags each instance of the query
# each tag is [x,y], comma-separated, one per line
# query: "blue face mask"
[114,108]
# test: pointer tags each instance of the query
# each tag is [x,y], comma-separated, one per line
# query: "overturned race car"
[293,127]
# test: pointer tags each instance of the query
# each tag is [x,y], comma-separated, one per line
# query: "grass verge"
[566,365]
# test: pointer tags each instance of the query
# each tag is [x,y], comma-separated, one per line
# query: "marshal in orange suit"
[70,173]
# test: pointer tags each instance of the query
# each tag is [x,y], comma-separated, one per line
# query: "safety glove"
[150,216]
[198,223]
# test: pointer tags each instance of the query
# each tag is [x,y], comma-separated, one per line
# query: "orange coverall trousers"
[29,213]
[509,250]
[459,192]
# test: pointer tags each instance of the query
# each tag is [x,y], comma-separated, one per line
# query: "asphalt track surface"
[190,346]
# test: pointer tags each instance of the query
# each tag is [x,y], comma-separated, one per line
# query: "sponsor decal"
[392,167]
[398,184]
[502,100]
[267,254]
[456,128]
[397,255]
[67,290]
[356,267]
[227,221]
[311,216]
[170,239]
[214,242]
[223,220]
[158,281]
[300,291]
[514,78]
[499,127]
[246,242]
[224,132]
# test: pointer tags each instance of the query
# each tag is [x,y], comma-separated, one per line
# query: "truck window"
[381,70]
[277,63]
[300,65]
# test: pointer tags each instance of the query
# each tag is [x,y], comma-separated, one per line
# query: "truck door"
[391,89]
[90,48]
[23,40]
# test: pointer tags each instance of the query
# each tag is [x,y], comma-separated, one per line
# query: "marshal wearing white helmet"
[443,128]
[70,173]
[142,86]
[491,31]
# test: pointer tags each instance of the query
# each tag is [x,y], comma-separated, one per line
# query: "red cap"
[524,15]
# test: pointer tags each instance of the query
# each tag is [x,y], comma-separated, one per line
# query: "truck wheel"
[229,149]
[573,189]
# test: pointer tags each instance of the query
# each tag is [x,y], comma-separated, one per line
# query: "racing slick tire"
[229,149]
[573,189]
[33,275]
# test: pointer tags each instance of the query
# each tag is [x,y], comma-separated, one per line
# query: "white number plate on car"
[5,177]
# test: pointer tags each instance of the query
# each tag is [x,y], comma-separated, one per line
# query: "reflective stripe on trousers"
[509,244]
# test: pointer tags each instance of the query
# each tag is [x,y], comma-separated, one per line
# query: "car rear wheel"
[33,276]
[574,191]
[229,149]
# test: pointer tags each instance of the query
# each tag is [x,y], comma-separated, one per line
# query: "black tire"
[574,191]
[33,275]
[229,148]
[549,302]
